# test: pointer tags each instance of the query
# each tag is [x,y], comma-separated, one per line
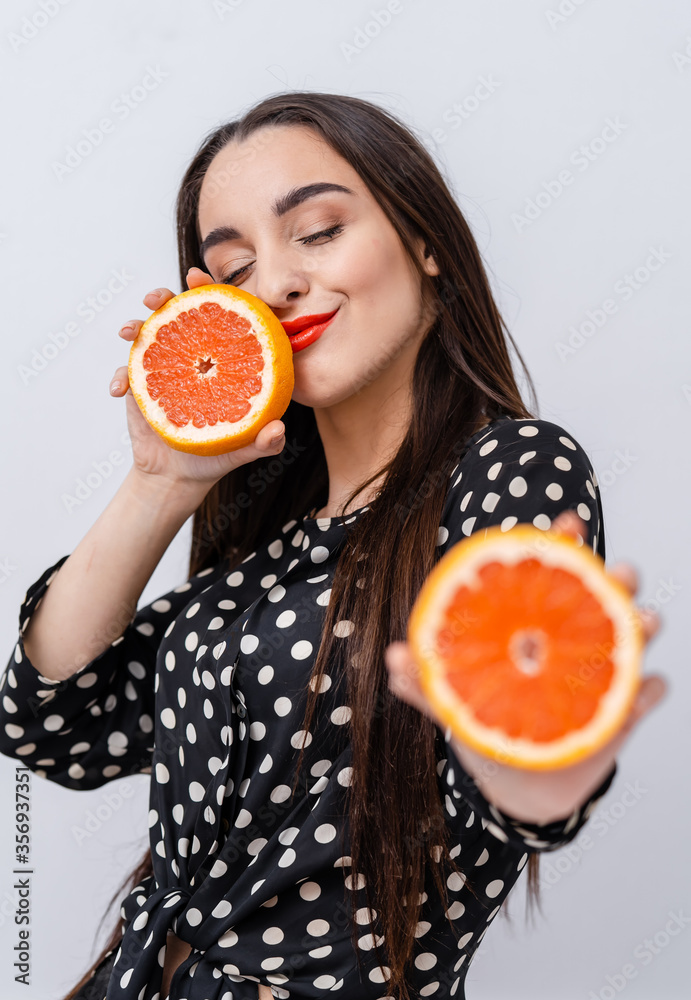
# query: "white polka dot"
[191,732]
[456,881]
[266,764]
[554,491]
[318,927]
[490,502]
[345,776]
[286,619]
[442,534]
[483,859]
[162,774]
[89,679]
[429,989]
[287,858]
[508,523]
[228,939]
[265,675]
[276,594]
[218,650]
[280,793]
[168,718]
[321,684]
[257,731]
[542,521]
[221,909]
[52,722]
[561,462]
[456,910]
[272,963]
[319,554]
[341,714]
[343,628]
[191,641]
[310,890]
[196,791]
[288,835]
[323,598]
[194,916]
[466,500]
[301,650]
[568,442]
[518,486]
[426,960]
[235,579]
[300,738]
[494,887]
[124,980]
[584,511]
[325,982]
[487,447]
[249,643]
[273,935]
[380,974]
[325,833]
[244,818]
[528,431]
[468,525]
[282,706]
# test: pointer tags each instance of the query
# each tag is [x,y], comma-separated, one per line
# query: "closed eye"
[307,240]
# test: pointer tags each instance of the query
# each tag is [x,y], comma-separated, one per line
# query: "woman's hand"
[538,796]
[151,455]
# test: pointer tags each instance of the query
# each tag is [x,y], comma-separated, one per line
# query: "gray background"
[623,388]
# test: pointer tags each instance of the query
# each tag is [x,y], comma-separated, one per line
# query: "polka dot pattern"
[204,691]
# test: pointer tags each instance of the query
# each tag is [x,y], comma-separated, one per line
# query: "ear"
[426,258]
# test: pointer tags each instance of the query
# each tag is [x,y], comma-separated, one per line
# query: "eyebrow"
[294,197]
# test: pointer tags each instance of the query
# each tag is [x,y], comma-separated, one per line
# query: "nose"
[279,279]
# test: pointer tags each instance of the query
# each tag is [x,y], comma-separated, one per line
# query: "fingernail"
[114,386]
[273,443]
[158,292]
[127,326]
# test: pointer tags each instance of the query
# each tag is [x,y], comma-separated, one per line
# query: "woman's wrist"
[183,497]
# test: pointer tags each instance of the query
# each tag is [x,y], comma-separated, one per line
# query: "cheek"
[375,275]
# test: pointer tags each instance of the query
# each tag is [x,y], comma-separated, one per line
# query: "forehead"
[257,170]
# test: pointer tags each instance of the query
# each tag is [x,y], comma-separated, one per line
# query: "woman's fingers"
[156,298]
[119,384]
[197,277]
[130,330]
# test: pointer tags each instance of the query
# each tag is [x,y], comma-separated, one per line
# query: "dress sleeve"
[97,724]
[458,785]
[519,471]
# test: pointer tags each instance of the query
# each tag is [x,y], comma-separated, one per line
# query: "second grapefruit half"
[210,368]
[527,648]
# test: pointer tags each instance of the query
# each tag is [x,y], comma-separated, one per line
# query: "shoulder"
[522,470]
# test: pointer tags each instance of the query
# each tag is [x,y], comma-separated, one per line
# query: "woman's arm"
[94,595]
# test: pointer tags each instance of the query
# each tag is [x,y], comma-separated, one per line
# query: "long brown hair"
[463,377]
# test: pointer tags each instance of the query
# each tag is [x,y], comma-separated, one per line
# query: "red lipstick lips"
[304,330]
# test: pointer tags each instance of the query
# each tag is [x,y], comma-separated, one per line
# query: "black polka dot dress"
[205,691]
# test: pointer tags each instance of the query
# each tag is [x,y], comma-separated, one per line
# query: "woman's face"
[360,268]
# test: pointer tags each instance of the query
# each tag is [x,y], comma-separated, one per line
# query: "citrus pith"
[210,368]
[528,650]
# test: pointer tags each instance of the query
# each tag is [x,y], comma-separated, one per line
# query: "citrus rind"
[459,567]
[277,373]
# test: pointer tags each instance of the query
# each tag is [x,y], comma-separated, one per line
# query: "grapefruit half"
[210,368]
[527,648]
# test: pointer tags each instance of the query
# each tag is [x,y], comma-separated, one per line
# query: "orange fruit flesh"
[203,366]
[210,368]
[513,677]
[528,650]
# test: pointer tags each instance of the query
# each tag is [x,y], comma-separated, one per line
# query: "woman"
[312,828]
